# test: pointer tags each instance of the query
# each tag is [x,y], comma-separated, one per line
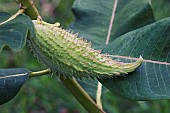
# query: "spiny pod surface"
[65,53]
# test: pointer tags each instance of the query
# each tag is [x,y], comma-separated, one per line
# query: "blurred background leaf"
[161,8]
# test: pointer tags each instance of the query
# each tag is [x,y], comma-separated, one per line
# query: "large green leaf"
[14,33]
[152,79]
[4,16]
[11,81]
[93,19]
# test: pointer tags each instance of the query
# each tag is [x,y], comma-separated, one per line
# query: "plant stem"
[70,83]
[30,9]
[79,93]
[40,73]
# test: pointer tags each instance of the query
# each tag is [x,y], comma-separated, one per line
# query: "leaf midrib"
[16,75]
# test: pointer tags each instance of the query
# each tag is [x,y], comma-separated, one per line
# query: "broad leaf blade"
[4,16]
[93,18]
[11,81]
[14,33]
[152,79]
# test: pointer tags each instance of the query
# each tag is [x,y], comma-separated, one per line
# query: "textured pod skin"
[69,55]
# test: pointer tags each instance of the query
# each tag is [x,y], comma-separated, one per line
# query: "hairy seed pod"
[65,53]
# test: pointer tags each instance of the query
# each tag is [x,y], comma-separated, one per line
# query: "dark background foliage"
[46,94]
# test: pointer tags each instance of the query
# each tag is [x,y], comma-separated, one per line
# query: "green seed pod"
[65,53]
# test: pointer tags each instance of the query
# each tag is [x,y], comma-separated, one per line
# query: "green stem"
[30,9]
[70,83]
[40,73]
[79,93]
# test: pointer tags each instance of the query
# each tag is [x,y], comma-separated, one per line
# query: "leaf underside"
[151,79]
[11,81]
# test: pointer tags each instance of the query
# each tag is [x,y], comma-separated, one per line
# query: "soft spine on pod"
[65,53]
